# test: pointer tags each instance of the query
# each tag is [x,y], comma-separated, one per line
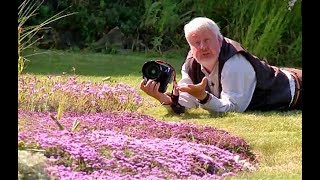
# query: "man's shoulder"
[237,57]
[189,55]
[232,41]
[237,61]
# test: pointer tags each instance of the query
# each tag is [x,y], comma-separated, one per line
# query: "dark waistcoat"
[272,90]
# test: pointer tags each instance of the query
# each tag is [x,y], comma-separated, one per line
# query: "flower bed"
[131,146]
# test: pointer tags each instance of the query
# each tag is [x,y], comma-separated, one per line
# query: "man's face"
[205,47]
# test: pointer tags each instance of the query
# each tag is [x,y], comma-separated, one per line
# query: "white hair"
[200,23]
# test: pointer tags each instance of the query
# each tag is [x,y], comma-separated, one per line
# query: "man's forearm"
[164,99]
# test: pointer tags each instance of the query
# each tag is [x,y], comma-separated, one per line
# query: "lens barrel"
[151,70]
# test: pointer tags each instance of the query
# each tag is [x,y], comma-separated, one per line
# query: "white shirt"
[238,80]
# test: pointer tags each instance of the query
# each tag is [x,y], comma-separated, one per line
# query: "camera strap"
[176,107]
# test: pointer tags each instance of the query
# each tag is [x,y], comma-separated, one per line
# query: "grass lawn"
[275,137]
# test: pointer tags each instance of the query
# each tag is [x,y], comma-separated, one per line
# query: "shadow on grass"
[274,113]
[203,114]
[196,114]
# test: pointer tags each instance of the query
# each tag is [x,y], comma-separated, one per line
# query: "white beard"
[208,64]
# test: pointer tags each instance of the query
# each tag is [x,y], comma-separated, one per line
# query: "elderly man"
[219,75]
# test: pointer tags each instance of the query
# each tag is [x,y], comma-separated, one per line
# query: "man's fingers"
[156,87]
[142,84]
[204,82]
[184,88]
[194,89]
[150,86]
[201,85]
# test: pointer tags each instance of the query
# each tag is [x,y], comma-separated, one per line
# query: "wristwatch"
[205,100]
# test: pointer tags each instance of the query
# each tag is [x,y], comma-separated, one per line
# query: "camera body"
[158,71]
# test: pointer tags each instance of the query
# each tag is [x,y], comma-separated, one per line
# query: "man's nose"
[203,45]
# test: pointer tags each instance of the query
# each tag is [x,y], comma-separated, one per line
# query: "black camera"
[158,71]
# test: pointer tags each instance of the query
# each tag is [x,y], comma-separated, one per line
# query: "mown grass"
[275,137]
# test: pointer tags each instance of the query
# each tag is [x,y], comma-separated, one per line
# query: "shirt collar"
[215,70]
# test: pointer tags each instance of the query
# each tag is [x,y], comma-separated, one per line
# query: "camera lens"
[151,70]
[158,71]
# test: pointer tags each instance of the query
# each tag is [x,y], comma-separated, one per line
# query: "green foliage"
[95,18]
[164,19]
[26,33]
[275,26]
[268,29]
[295,51]
[156,42]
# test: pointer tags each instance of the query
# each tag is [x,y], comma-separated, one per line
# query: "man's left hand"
[196,90]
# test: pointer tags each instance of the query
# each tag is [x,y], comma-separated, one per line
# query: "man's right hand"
[152,89]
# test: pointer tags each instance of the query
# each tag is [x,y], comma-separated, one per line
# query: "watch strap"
[205,100]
